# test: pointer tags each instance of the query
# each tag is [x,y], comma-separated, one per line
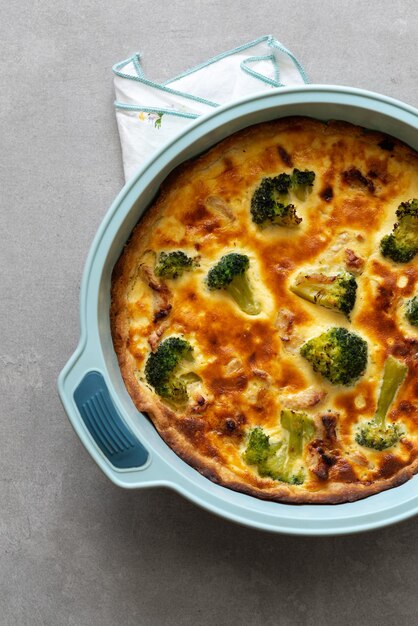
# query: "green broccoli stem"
[301,193]
[307,290]
[393,376]
[239,289]
[293,423]
[280,460]
[335,290]
[189,378]
[300,429]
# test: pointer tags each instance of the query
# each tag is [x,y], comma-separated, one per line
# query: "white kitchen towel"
[149,114]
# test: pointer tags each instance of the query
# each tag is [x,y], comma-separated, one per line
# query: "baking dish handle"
[101,426]
[104,423]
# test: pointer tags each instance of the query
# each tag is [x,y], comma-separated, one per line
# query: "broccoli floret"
[286,465]
[230,273]
[331,290]
[338,354]
[282,184]
[161,366]
[258,447]
[269,203]
[281,461]
[377,433]
[302,183]
[411,311]
[173,264]
[402,244]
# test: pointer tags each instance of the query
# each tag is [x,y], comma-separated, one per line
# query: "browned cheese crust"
[250,367]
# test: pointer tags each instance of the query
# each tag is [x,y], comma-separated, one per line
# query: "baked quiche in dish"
[264,312]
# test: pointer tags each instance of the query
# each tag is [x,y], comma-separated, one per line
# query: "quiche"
[264,312]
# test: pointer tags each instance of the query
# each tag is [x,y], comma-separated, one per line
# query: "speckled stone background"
[75,550]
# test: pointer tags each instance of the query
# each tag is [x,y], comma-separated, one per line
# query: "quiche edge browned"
[164,418]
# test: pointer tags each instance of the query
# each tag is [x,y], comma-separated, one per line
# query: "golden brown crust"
[183,217]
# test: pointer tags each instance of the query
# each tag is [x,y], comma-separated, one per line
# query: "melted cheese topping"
[250,366]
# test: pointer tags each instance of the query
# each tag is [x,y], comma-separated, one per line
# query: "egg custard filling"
[264,312]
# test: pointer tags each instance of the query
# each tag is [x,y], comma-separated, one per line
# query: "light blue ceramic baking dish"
[122,441]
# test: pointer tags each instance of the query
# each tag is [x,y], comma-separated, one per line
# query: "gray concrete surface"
[74,550]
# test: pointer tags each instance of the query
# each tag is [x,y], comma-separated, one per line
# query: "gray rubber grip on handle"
[104,423]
